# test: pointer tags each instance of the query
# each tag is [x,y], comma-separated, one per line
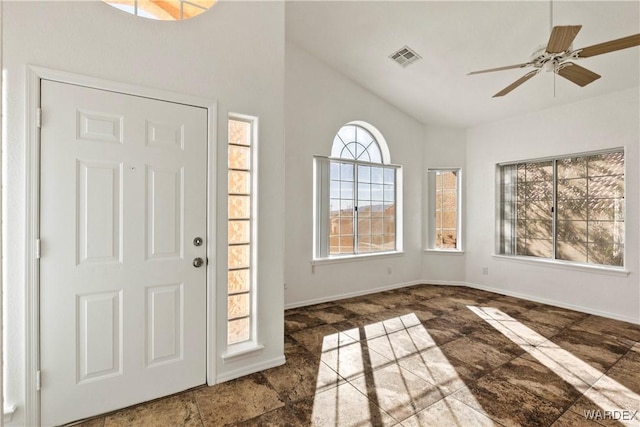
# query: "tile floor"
[426,356]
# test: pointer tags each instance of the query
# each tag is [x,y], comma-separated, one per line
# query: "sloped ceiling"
[456,37]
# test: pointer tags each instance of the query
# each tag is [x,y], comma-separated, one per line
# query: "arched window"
[356,195]
[356,143]
[165,10]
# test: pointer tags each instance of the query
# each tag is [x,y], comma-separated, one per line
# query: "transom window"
[357,212]
[567,208]
[356,143]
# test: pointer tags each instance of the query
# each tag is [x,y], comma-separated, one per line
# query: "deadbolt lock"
[197,241]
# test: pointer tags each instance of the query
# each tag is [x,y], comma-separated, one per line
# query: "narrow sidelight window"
[241,230]
[444,209]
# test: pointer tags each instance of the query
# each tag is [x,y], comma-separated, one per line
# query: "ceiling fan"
[557,55]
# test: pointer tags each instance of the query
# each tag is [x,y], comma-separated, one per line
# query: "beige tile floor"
[425,356]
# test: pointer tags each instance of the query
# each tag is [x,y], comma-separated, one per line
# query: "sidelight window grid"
[241,229]
[569,208]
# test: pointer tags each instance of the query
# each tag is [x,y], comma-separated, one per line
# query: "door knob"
[198,262]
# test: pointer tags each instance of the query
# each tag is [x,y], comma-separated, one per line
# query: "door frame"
[35,75]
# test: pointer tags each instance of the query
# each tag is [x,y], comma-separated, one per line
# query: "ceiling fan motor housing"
[546,61]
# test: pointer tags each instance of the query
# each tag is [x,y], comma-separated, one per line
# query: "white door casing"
[123,195]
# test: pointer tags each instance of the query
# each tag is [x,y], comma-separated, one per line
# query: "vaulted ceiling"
[456,37]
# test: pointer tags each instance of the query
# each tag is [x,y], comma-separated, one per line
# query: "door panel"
[99,211]
[99,335]
[123,194]
[165,306]
[164,213]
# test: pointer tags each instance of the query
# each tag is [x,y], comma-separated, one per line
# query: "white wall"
[444,148]
[318,101]
[234,54]
[594,124]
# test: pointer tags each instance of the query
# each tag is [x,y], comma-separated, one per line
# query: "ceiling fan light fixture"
[550,66]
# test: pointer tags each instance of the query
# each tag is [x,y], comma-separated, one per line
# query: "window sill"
[8,412]
[444,251]
[600,269]
[241,351]
[351,258]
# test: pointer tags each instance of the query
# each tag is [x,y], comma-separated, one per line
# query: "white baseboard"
[250,369]
[351,294]
[444,282]
[560,304]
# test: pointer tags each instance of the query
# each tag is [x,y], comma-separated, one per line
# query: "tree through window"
[567,208]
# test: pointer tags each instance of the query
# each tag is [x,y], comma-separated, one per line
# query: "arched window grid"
[354,142]
[166,10]
[363,194]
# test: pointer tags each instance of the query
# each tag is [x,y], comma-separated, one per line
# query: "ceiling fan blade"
[561,38]
[508,67]
[610,46]
[515,84]
[577,74]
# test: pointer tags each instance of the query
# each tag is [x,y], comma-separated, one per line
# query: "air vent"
[405,56]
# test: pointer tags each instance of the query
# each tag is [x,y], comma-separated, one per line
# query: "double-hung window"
[567,208]
[356,196]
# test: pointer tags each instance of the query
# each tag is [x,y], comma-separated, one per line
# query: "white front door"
[123,196]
